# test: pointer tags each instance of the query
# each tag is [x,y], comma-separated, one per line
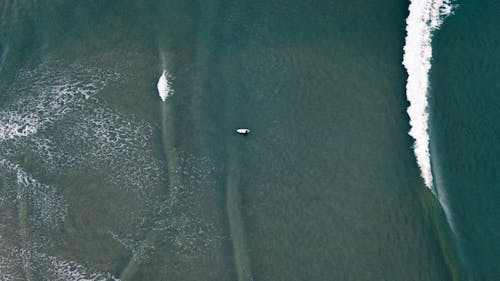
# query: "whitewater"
[424,18]
[164,86]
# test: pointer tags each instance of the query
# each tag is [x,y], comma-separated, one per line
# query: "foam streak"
[424,18]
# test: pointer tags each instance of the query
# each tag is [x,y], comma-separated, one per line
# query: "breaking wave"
[424,18]
[165,86]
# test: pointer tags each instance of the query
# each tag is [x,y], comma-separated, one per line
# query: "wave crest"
[424,18]
[165,86]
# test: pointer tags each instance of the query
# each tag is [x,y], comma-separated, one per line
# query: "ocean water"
[372,153]
[464,133]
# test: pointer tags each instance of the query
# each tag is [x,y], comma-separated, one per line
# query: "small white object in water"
[164,86]
[243,131]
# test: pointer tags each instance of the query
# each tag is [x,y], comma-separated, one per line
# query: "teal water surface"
[465,110]
[101,180]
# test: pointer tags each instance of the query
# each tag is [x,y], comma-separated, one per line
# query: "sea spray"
[424,18]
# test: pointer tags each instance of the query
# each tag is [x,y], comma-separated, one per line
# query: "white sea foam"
[106,140]
[58,111]
[111,142]
[51,94]
[45,267]
[425,17]
[64,125]
[64,270]
[47,205]
[5,275]
[165,86]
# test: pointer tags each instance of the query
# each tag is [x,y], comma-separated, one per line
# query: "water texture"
[119,158]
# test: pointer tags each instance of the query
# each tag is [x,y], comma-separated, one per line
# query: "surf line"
[424,18]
